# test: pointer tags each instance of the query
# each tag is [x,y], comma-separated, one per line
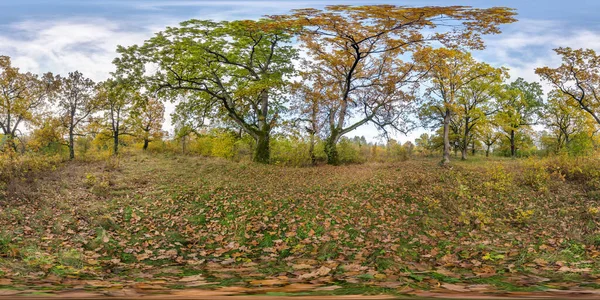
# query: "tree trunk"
[331,149]
[473,147]
[262,153]
[513,150]
[116,143]
[465,141]
[487,151]
[71,144]
[146,141]
[311,149]
[446,157]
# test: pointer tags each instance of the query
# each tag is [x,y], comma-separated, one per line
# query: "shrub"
[15,168]
[535,175]
[349,152]
[500,180]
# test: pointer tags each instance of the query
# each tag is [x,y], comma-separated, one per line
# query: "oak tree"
[578,77]
[358,50]
[237,68]
[116,98]
[76,100]
[22,97]
[518,105]
[147,117]
[450,73]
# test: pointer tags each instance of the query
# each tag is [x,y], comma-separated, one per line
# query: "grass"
[481,221]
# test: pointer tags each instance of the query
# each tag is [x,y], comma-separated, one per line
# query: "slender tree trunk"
[513,150]
[115,144]
[473,147]
[465,141]
[331,149]
[71,144]
[487,150]
[146,142]
[311,149]
[446,157]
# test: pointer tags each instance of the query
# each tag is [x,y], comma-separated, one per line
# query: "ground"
[145,224]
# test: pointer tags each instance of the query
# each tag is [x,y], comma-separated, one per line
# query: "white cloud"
[67,45]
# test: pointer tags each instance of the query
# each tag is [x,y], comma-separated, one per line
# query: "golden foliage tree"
[453,75]
[578,77]
[22,96]
[358,50]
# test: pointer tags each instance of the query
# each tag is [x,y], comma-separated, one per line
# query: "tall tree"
[564,119]
[239,68]
[358,51]
[489,136]
[22,97]
[475,104]
[518,105]
[147,118]
[116,97]
[76,101]
[450,73]
[578,77]
[310,95]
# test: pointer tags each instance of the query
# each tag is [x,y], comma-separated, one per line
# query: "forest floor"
[184,226]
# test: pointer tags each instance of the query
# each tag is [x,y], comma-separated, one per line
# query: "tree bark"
[465,140]
[311,149]
[487,151]
[115,144]
[513,150]
[331,149]
[71,144]
[262,153]
[146,142]
[446,157]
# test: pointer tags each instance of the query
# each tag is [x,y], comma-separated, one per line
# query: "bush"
[292,151]
[14,168]
[348,152]
[535,175]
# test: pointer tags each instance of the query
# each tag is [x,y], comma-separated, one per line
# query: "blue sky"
[67,35]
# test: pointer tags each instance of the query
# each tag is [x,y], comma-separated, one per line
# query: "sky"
[61,36]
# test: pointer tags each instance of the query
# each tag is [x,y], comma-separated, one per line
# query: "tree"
[357,50]
[564,119]
[474,104]
[238,68]
[309,96]
[76,102]
[22,97]
[578,77]
[518,103]
[425,142]
[48,136]
[147,117]
[116,97]
[450,73]
[488,136]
